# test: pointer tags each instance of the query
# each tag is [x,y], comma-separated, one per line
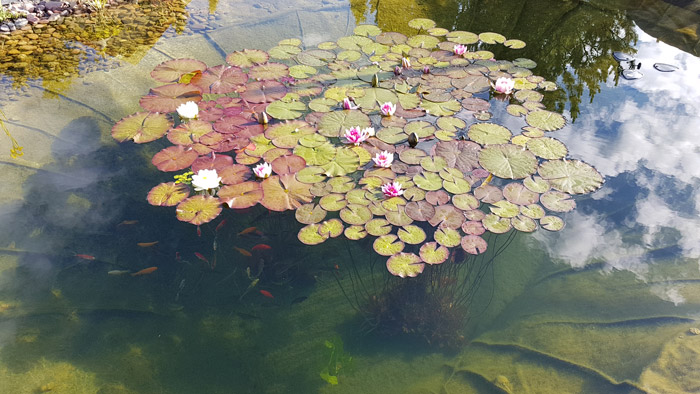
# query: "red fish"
[243,251]
[144,271]
[146,244]
[199,231]
[127,222]
[85,256]
[261,247]
[201,257]
[220,226]
[248,230]
[266,294]
[177,256]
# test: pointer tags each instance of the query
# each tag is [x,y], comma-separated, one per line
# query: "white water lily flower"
[504,85]
[188,110]
[263,170]
[205,180]
[383,159]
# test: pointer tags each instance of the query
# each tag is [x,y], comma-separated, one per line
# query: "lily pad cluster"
[462,174]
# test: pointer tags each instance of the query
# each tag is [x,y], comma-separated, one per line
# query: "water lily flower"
[388,109]
[504,85]
[383,159]
[392,189]
[205,180]
[369,131]
[426,69]
[263,170]
[405,63]
[356,136]
[188,110]
[460,49]
[349,103]
[398,70]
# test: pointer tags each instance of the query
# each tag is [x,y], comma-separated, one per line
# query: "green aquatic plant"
[338,361]
[16,150]
[315,117]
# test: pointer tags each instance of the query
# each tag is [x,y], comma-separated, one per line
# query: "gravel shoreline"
[35,12]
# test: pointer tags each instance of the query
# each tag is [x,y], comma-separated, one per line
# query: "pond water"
[608,304]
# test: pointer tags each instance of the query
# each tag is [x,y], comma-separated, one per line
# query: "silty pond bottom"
[607,304]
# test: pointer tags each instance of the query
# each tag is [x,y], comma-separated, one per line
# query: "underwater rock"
[694,331]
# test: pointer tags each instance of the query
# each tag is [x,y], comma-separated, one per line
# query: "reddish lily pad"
[433,253]
[289,164]
[405,265]
[420,210]
[463,155]
[141,127]
[241,195]
[198,209]
[172,70]
[284,192]
[310,213]
[234,173]
[388,245]
[174,158]
[221,79]
[189,132]
[263,91]
[217,163]
[168,194]
[439,197]
[473,244]
[516,193]
[447,216]
[473,227]
[488,193]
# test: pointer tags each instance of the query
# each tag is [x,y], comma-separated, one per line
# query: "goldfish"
[144,271]
[243,251]
[85,256]
[248,231]
[266,294]
[177,256]
[199,231]
[146,244]
[127,223]
[118,272]
[220,226]
[261,247]
[201,257]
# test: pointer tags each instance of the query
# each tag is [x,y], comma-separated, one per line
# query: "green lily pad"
[505,209]
[545,120]
[571,176]
[447,237]
[317,156]
[405,265]
[428,181]
[287,135]
[489,133]
[392,135]
[547,148]
[447,108]
[524,224]
[388,245]
[528,95]
[284,192]
[552,223]
[356,214]
[311,175]
[331,228]
[533,211]
[421,23]
[172,70]
[450,174]
[473,244]
[366,30]
[247,58]
[432,253]
[301,71]
[412,234]
[536,184]
[374,97]
[241,195]
[198,209]
[286,110]
[346,161]
[408,100]
[423,41]
[353,43]
[141,127]
[514,44]
[378,227]
[333,202]
[392,204]
[508,161]
[465,202]
[433,164]
[496,224]
[438,31]
[334,124]
[451,124]
[399,217]
[557,201]
[523,62]
[168,194]
[516,110]
[309,235]
[355,233]
[310,213]
[462,37]
[322,104]
[456,186]
[516,193]
[491,38]
[341,184]
[269,71]
[284,51]
[350,56]
[312,140]
[421,128]
[174,158]
[315,58]
[357,196]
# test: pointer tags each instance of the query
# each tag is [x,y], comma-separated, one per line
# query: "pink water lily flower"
[349,103]
[406,63]
[392,189]
[504,85]
[263,170]
[460,49]
[388,109]
[383,159]
[356,136]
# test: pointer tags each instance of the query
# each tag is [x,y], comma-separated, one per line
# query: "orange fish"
[144,271]
[127,223]
[248,230]
[220,226]
[201,257]
[199,231]
[243,251]
[85,256]
[266,294]
[261,247]
[146,244]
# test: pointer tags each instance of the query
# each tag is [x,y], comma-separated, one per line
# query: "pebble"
[694,331]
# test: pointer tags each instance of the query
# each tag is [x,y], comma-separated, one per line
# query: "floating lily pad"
[286,110]
[528,95]
[284,192]
[167,98]
[547,148]
[524,62]
[421,23]
[310,175]
[439,197]
[356,214]
[412,156]
[447,108]
[489,133]
[289,164]
[172,70]
[505,209]
[508,161]
[241,195]
[398,218]
[428,181]
[392,135]
[335,123]
[341,184]
[514,44]
[141,127]
[447,216]
[405,265]
[433,253]
[456,186]
[473,244]
[168,194]
[221,79]
[474,214]
[463,155]
[465,202]
[392,204]
[198,209]
[357,196]
[533,211]
[367,30]
[317,156]
[247,58]
[388,245]
[269,71]
[536,184]
[517,194]
[411,234]
[552,223]
[473,227]
[545,120]
[333,202]
[496,224]
[571,176]
[462,37]
[488,193]
[174,158]
[284,51]
[447,237]
[346,161]
[310,213]
[309,235]
[331,228]
[557,201]
[263,91]
[420,210]
[524,224]
[188,133]
[374,97]
[491,38]
[433,164]
[355,233]
[378,227]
